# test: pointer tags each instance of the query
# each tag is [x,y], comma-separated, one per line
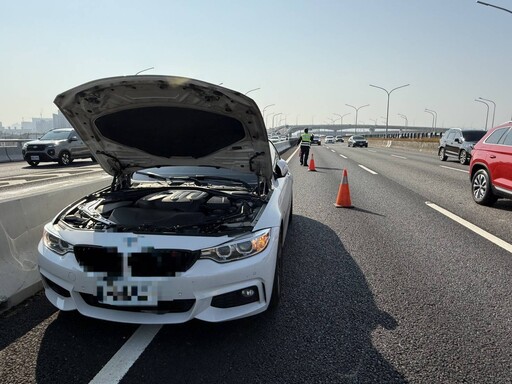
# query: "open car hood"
[135,122]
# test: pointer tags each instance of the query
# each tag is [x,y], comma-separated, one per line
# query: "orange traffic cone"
[312,164]
[343,199]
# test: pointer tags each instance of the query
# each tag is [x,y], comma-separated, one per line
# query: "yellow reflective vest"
[305,139]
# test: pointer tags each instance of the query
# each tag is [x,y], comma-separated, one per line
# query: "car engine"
[177,210]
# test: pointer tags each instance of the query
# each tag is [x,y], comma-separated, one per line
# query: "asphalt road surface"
[412,284]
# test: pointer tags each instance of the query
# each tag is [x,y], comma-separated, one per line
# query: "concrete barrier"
[21,227]
[14,153]
[3,155]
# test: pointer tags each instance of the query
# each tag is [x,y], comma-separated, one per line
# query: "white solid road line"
[121,362]
[454,169]
[400,157]
[368,169]
[479,231]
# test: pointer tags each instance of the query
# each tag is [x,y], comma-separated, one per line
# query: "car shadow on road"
[321,331]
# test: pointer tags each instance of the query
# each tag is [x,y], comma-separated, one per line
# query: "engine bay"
[185,210]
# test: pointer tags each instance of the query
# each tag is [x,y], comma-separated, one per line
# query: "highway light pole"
[273,117]
[434,113]
[487,116]
[357,111]
[493,109]
[341,119]
[405,118]
[251,90]
[263,113]
[387,110]
[494,6]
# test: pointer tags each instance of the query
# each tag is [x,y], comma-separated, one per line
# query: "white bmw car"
[195,218]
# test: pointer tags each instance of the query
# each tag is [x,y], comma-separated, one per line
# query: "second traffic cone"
[343,199]
[312,164]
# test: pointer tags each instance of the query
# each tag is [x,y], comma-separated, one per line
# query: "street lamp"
[251,90]
[487,116]
[493,110]
[494,6]
[433,117]
[273,117]
[405,118]
[144,70]
[357,110]
[341,117]
[387,110]
[434,114]
[263,113]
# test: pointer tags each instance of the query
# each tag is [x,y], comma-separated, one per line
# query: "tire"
[442,154]
[463,157]
[65,158]
[32,163]
[278,277]
[481,188]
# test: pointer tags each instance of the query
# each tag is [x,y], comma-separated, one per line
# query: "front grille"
[36,147]
[99,259]
[150,262]
[161,262]
[172,306]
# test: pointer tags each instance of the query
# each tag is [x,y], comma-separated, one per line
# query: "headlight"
[238,249]
[24,146]
[56,244]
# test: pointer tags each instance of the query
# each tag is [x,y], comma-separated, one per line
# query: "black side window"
[495,137]
[507,138]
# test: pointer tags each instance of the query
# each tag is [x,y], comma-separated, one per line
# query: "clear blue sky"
[309,58]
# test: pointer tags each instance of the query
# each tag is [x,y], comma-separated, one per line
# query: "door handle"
[492,156]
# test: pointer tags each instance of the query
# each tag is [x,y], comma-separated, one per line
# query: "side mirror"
[281,169]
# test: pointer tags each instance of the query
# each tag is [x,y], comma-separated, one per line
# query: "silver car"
[61,145]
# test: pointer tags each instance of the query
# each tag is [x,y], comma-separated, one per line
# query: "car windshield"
[474,135]
[358,138]
[55,135]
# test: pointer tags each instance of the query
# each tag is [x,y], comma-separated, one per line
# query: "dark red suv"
[490,169]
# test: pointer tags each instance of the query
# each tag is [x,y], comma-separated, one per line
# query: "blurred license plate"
[34,157]
[122,292]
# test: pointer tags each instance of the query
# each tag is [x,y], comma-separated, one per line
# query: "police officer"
[305,144]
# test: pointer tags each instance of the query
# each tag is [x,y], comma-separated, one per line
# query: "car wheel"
[442,154]
[33,163]
[482,188]
[65,158]
[463,157]
[278,276]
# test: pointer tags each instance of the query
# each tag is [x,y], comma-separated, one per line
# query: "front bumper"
[208,291]
[49,155]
